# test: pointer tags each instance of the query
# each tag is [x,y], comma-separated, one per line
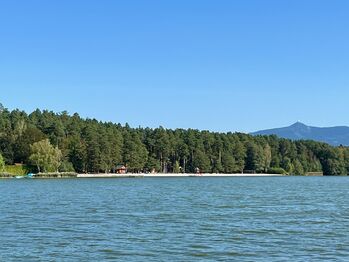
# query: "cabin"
[121,169]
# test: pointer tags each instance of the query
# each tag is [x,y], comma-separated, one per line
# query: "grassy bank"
[15,170]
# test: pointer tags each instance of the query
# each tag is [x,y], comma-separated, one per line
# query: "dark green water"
[175,219]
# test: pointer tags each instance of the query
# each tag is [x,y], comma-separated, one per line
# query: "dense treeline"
[87,145]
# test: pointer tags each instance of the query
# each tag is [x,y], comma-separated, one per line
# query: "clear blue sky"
[217,65]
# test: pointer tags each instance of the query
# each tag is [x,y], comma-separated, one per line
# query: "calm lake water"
[175,219]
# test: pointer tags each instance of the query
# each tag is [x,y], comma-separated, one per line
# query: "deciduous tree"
[45,157]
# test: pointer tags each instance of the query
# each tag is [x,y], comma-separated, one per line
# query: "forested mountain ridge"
[88,145]
[335,136]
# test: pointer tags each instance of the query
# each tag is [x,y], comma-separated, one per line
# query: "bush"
[277,170]
[17,170]
[66,167]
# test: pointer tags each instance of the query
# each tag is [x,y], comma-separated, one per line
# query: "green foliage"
[135,153]
[66,167]
[27,137]
[77,154]
[287,165]
[152,164]
[277,170]
[201,161]
[255,159]
[266,157]
[45,157]
[298,169]
[228,163]
[18,170]
[176,168]
[2,164]
[44,139]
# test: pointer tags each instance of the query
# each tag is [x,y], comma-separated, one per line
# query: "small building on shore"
[121,169]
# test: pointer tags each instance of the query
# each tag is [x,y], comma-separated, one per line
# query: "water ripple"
[201,219]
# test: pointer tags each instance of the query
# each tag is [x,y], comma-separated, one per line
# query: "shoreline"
[162,175]
[141,175]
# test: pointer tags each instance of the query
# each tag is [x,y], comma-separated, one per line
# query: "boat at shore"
[30,175]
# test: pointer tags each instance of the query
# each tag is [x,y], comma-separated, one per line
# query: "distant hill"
[335,136]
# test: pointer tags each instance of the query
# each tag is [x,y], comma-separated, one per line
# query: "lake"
[175,219]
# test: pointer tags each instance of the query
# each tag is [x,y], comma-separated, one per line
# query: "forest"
[58,142]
